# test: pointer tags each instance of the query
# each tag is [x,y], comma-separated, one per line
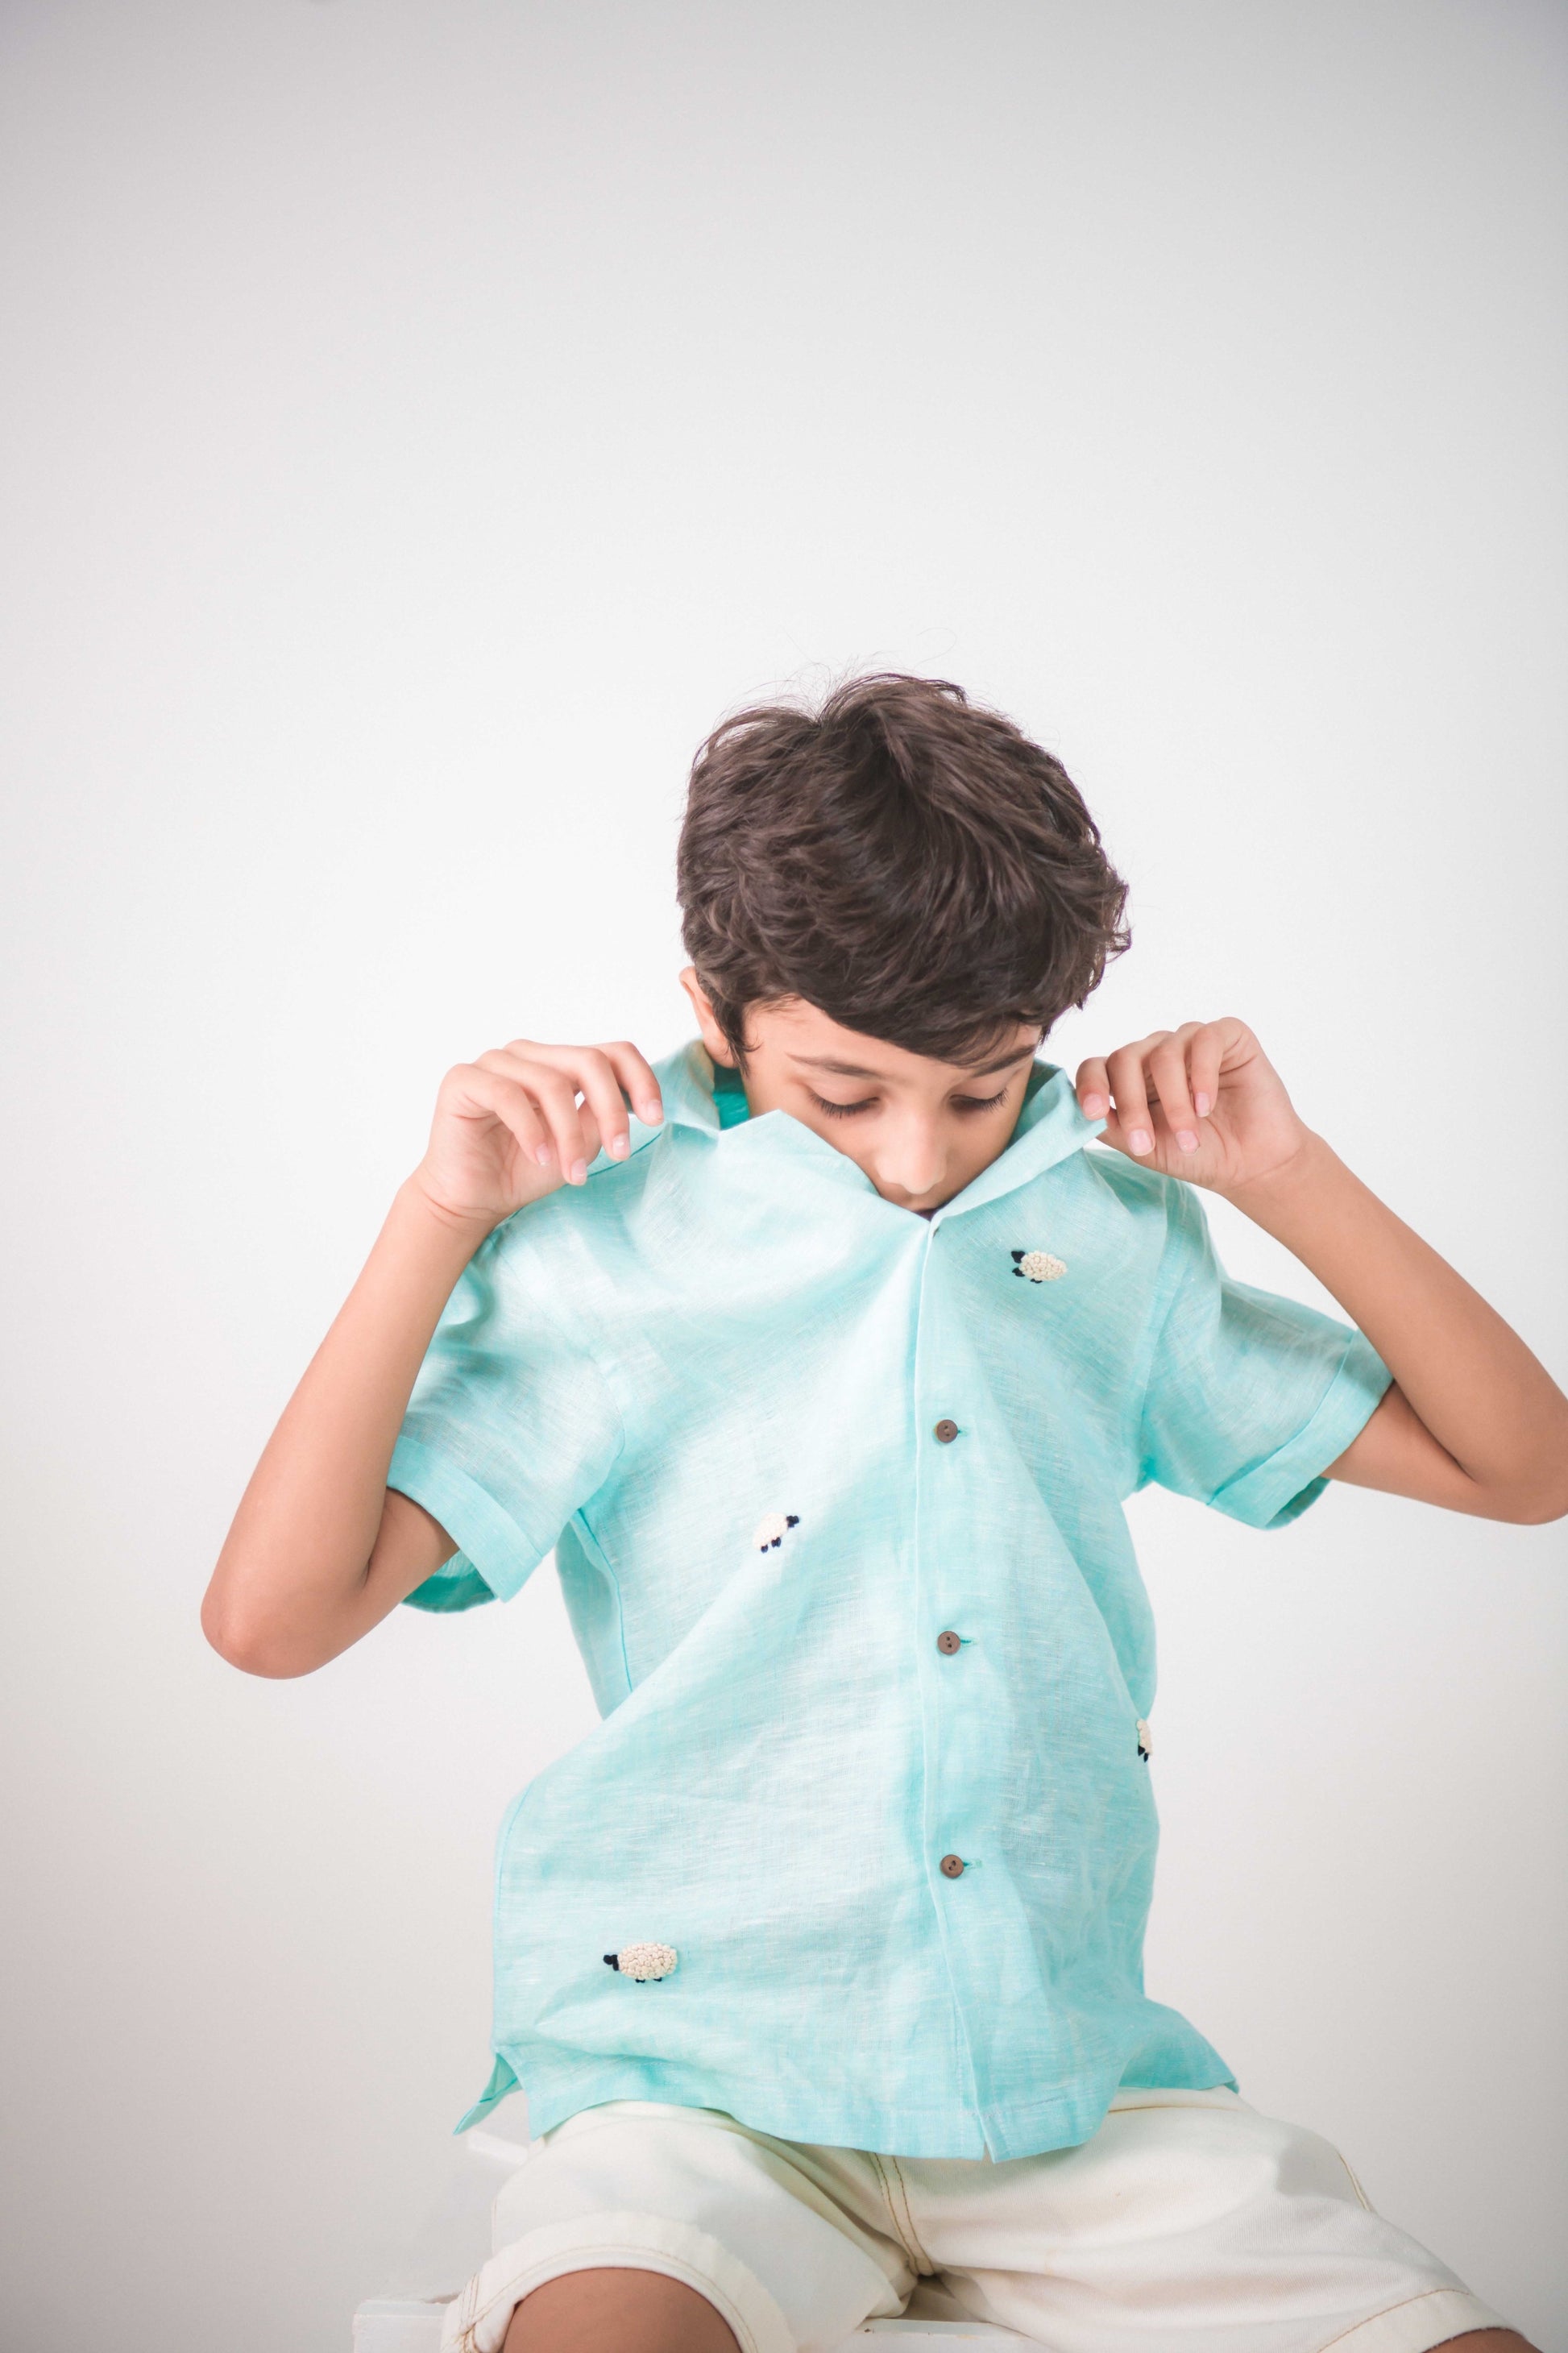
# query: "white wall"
[419,421]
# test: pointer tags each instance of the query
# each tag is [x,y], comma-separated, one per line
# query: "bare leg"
[1487,2340]
[633,2312]
[644,2311]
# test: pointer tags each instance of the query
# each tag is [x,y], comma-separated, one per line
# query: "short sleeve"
[1249,1395]
[508,1431]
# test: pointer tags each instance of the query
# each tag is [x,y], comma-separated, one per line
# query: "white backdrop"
[420,419]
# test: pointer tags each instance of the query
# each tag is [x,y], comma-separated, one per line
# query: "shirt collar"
[1051,1128]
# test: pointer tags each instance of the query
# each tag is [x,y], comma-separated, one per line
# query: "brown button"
[947,1643]
[947,1431]
[952,1866]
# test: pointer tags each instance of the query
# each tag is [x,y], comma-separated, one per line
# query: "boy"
[826,1378]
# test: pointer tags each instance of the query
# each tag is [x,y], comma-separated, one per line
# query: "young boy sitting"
[827,1376]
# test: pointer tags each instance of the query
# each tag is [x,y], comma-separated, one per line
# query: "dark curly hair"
[904,859]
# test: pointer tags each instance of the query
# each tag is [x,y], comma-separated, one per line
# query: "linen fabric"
[782,1434]
[1187,2221]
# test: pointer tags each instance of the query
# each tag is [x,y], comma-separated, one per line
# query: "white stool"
[388,2324]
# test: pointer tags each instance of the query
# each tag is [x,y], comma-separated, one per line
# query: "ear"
[713,1038]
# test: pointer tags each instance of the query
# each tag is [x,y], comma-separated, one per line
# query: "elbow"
[1532,1489]
[1536,1507]
[1533,1500]
[1545,1496]
[254,1643]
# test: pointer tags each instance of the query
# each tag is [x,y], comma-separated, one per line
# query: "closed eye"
[962,1103]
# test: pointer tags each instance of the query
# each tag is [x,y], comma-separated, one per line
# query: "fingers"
[566,1136]
[1159,1089]
[1205,1055]
[554,1077]
[628,1069]
[602,1115]
[1131,1120]
[1121,1102]
[1093,1088]
[1166,1071]
[502,1096]
[636,1081]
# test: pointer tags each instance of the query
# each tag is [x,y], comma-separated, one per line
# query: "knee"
[1487,2340]
[636,2311]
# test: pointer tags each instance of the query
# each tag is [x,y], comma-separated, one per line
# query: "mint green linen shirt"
[787,1441]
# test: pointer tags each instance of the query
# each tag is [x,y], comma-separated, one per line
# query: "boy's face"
[920,1129]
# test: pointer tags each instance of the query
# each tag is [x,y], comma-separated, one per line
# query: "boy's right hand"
[509,1128]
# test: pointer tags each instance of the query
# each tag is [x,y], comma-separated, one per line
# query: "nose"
[910,1161]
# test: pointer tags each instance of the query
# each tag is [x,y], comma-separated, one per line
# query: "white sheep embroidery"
[643,1963]
[1145,1741]
[1038,1266]
[769,1534]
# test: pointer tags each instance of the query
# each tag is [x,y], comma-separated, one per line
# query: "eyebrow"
[854,1070]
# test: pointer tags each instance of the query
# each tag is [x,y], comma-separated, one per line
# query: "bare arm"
[321,1549]
[1473,1421]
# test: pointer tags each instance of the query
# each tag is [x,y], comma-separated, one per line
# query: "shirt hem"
[1031,2129]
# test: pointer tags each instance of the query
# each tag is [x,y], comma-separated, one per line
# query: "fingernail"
[651,1112]
[619,1148]
[1187,1139]
[1140,1140]
[542,1154]
[1201,1105]
[579,1172]
[1094,1106]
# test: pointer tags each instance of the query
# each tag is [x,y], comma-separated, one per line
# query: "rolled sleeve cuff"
[503,1552]
[1280,1488]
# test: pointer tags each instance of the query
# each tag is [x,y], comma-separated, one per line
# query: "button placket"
[957,1799]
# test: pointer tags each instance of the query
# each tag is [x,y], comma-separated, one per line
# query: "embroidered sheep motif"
[643,1963]
[1038,1266]
[1145,1741]
[769,1534]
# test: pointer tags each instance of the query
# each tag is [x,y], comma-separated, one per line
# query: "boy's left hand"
[1202,1102]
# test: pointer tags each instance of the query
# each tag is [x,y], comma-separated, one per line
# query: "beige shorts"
[1189,2223]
